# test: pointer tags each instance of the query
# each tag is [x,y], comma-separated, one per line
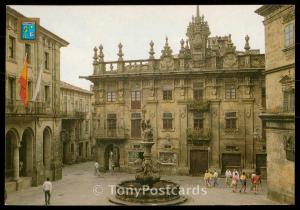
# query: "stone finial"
[247,46]
[101,55]
[182,50]
[151,50]
[202,18]
[193,19]
[120,54]
[167,51]
[95,56]
[187,45]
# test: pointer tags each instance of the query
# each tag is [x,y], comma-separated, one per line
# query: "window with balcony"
[111,125]
[111,96]
[87,126]
[230,90]
[198,120]
[289,101]
[167,120]
[28,52]
[65,104]
[11,89]
[80,105]
[289,32]
[230,120]
[136,125]
[135,100]
[12,47]
[47,93]
[46,62]
[198,91]
[167,94]
[29,90]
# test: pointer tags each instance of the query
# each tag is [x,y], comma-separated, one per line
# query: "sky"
[85,27]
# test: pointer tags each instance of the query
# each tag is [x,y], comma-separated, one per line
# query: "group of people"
[211,178]
[232,179]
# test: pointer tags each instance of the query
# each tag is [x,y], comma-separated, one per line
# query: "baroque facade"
[203,105]
[279,22]
[32,135]
[76,111]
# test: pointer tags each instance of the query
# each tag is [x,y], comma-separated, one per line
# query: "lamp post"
[255,137]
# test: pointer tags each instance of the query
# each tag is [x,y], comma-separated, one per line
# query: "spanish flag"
[24,83]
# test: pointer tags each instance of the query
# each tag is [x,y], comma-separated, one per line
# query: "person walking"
[207,178]
[215,177]
[256,182]
[243,180]
[234,181]
[228,177]
[47,188]
[252,184]
[96,166]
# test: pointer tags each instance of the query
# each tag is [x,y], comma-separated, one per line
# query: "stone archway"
[47,137]
[12,154]
[26,153]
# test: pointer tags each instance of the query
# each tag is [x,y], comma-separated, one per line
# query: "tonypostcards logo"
[168,190]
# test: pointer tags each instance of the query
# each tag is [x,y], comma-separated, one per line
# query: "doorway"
[198,161]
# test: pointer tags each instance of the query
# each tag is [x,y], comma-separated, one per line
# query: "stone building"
[279,22]
[203,105]
[32,135]
[76,110]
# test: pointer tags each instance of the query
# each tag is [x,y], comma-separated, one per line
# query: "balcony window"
[198,120]
[289,31]
[111,124]
[136,125]
[47,93]
[230,120]
[289,101]
[167,121]
[111,96]
[12,47]
[135,100]
[46,62]
[28,52]
[12,89]
[230,91]
[198,91]
[65,104]
[167,95]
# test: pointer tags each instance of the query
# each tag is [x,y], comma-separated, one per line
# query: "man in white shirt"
[228,176]
[96,168]
[215,178]
[47,188]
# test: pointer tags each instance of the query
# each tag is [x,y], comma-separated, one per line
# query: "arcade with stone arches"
[19,152]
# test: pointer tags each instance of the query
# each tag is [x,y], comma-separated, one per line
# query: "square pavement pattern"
[79,186]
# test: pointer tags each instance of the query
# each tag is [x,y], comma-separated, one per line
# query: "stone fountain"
[147,188]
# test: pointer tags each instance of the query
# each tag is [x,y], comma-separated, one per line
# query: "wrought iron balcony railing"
[198,134]
[198,105]
[120,133]
[17,107]
[77,114]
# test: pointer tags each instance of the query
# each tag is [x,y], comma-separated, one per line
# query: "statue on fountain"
[147,130]
[147,174]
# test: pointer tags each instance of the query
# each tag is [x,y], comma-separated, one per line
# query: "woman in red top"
[256,182]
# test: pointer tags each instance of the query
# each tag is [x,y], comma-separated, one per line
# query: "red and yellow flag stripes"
[24,83]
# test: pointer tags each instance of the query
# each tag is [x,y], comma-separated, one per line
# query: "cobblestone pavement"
[79,186]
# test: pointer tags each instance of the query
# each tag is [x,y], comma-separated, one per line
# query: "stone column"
[16,162]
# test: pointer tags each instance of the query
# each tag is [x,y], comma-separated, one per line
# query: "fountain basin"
[163,192]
